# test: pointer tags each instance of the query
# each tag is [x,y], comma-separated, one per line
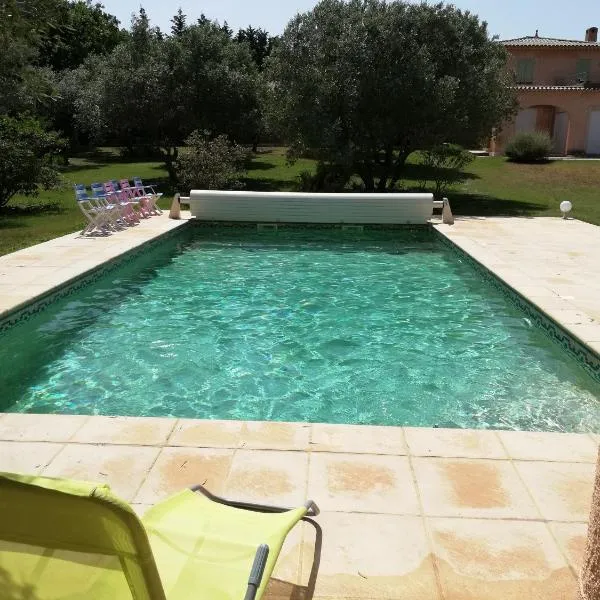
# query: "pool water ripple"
[298,325]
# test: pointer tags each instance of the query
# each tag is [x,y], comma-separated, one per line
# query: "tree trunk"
[367,177]
[171,154]
[386,169]
[398,166]
[590,572]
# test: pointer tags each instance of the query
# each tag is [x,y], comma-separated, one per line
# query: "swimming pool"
[382,327]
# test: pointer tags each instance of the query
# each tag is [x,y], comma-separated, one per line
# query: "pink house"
[558,87]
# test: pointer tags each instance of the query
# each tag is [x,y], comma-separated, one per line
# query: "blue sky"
[507,18]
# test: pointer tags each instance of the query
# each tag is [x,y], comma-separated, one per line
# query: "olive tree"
[152,91]
[27,157]
[362,84]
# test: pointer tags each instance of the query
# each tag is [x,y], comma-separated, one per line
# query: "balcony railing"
[578,79]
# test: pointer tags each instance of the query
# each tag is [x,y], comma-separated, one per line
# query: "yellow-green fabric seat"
[68,540]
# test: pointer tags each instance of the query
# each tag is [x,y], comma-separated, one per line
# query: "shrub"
[211,164]
[27,157]
[326,178]
[530,146]
[443,165]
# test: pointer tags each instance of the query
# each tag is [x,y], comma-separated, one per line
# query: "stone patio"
[553,262]
[406,513]
[419,514]
[35,271]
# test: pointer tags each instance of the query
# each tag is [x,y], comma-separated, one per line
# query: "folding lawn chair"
[62,539]
[112,205]
[149,191]
[137,195]
[98,220]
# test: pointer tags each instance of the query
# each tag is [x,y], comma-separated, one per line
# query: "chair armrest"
[257,571]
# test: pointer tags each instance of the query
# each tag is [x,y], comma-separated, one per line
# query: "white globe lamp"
[565,208]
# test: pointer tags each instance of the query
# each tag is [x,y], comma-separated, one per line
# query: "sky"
[506,18]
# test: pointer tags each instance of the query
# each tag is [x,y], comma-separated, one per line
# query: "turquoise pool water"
[385,327]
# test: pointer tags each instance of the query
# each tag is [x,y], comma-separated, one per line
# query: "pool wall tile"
[40,296]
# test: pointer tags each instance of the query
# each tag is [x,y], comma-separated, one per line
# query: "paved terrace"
[419,514]
[33,272]
[553,262]
[408,513]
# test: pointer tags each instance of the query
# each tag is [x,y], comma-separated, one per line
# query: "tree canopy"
[362,84]
[153,91]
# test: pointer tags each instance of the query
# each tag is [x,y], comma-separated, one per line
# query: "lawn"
[494,186]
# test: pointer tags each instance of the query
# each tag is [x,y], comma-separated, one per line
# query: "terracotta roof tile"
[532,40]
[558,88]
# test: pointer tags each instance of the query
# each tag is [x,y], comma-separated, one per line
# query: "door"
[559,135]
[593,139]
[526,120]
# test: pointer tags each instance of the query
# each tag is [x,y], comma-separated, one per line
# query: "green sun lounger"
[68,540]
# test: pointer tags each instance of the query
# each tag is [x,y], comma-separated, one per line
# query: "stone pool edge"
[74,281]
[582,349]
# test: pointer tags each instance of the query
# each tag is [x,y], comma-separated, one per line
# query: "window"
[525,70]
[582,70]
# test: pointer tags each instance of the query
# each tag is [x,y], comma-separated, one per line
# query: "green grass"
[494,187]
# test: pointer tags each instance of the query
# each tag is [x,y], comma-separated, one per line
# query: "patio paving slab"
[458,487]
[268,477]
[363,439]
[363,483]
[533,445]
[398,521]
[499,560]
[27,457]
[178,468]
[124,467]
[151,431]
[373,556]
[39,428]
[454,443]
[552,261]
[562,491]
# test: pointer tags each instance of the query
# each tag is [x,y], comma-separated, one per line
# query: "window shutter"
[582,69]
[525,70]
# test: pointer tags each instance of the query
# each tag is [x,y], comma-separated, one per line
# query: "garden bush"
[530,146]
[211,164]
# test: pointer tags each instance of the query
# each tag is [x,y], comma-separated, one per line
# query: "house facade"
[558,89]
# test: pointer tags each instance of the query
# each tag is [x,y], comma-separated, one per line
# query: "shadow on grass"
[417,172]
[46,208]
[256,165]
[269,185]
[86,167]
[481,205]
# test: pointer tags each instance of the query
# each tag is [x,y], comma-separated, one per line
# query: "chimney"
[591,34]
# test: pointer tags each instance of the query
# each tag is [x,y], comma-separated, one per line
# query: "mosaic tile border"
[589,360]
[584,355]
[40,303]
